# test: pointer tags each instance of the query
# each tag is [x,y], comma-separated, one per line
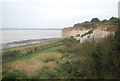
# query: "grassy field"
[31,62]
[31,65]
[53,49]
[31,50]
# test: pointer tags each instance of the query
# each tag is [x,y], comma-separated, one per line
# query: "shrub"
[97,60]
[60,50]
[85,24]
[71,67]
[7,55]
[49,73]
[14,75]
[105,60]
[48,59]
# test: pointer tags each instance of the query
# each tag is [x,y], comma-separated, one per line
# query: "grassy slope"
[53,49]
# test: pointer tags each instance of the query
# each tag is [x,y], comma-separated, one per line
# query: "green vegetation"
[9,55]
[85,24]
[50,73]
[88,60]
[81,61]
[94,60]
[95,22]
[87,33]
[53,49]
[15,74]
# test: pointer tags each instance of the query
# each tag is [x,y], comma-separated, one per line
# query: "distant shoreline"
[19,43]
[30,29]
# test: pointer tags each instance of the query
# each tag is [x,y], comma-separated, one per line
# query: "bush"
[85,24]
[50,73]
[97,60]
[71,67]
[7,55]
[48,59]
[71,45]
[68,42]
[14,75]
[105,60]
[60,50]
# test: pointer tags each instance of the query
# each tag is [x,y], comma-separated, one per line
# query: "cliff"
[95,32]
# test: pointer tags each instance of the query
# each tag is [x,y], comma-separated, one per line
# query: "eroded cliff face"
[86,34]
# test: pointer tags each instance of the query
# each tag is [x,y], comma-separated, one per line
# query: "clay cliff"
[90,30]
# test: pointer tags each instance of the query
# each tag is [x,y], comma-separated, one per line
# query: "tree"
[113,18]
[95,20]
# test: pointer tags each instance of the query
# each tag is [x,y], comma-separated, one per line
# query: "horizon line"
[30,28]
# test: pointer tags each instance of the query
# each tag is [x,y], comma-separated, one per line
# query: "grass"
[47,57]
[31,62]
[30,66]
[53,49]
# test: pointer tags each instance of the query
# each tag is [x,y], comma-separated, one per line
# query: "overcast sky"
[54,13]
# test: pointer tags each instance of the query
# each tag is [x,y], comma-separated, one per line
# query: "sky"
[53,13]
[119,9]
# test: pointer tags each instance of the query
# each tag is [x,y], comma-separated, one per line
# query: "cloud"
[54,13]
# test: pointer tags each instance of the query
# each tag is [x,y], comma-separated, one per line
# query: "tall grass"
[53,49]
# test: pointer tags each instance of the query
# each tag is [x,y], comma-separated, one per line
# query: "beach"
[16,38]
[14,44]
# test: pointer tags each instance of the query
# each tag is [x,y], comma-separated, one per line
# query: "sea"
[18,35]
